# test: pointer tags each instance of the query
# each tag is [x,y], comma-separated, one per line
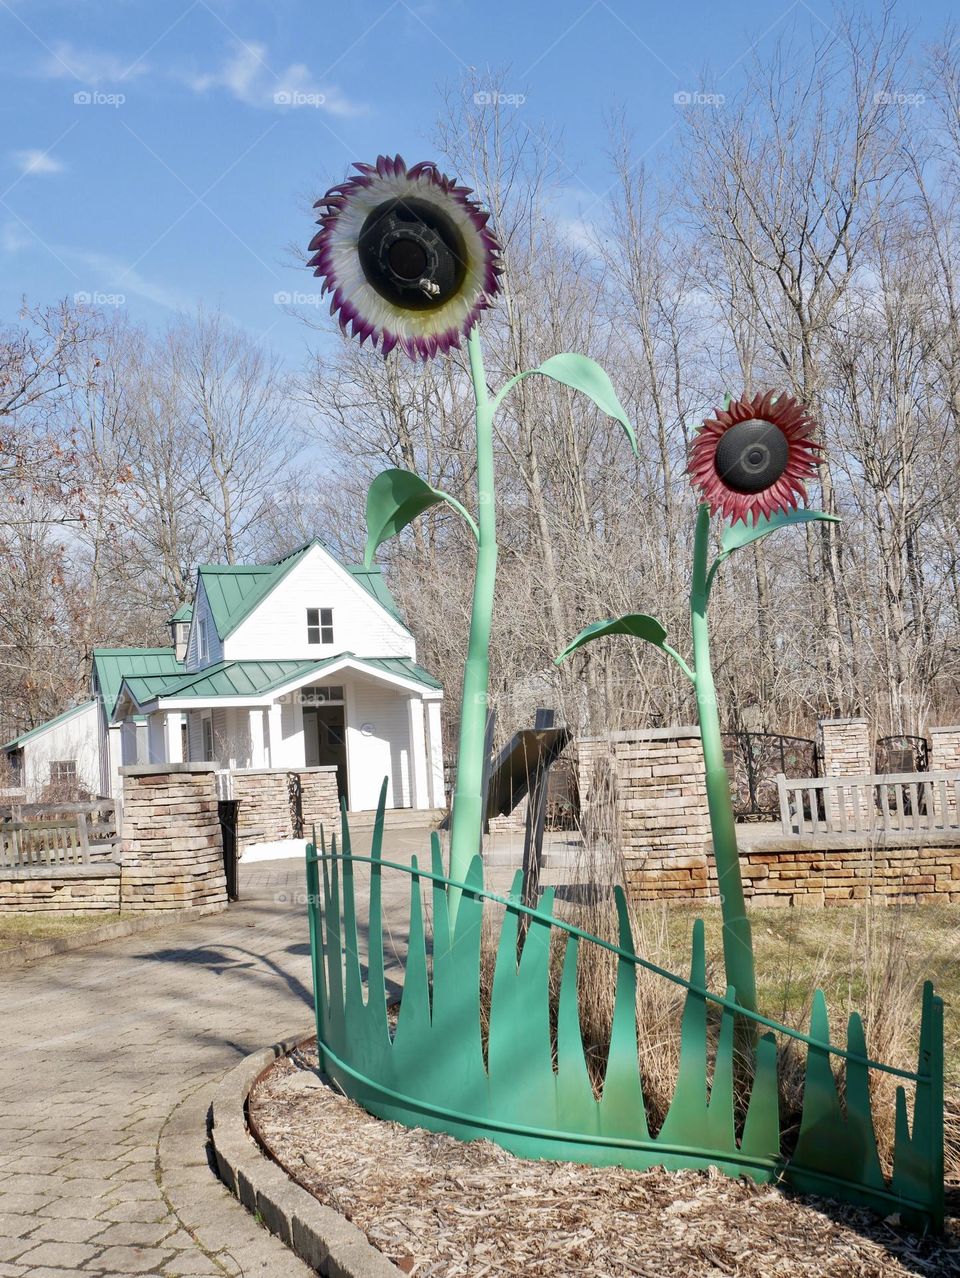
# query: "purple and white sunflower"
[407,256]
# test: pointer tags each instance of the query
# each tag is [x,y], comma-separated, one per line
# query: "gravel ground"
[439,1207]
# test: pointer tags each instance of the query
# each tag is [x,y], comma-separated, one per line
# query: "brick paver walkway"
[110,1056]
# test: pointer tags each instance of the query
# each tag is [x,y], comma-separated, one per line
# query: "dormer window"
[319,625]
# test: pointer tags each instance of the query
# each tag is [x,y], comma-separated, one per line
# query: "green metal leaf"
[741,534]
[395,499]
[637,624]
[586,375]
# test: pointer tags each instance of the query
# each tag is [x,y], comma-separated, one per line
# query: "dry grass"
[19,929]
[443,1209]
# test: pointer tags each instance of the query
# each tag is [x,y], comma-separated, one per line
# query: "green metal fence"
[527,1086]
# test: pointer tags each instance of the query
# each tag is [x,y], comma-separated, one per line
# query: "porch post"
[172,737]
[156,737]
[435,747]
[419,791]
[276,734]
[258,751]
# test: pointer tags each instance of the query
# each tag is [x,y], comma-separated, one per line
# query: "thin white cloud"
[90,66]
[12,238]
[246,74]
[108,275]
[38,162]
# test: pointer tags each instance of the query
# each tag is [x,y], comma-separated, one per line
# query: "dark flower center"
[751,456]
[412,254]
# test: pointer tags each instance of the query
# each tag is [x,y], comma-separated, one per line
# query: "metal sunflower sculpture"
[749,462]
[411,263]
[753,457]
[407,256]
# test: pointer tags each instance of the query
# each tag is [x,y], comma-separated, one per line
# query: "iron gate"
[902,754]
[753,760]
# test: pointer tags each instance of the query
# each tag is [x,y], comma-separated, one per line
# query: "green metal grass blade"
[504,1062]
[860,1137]
[576,1104]
[687,1116]
[337,1035]
[819,1145]
[413,1019]
[761,1130]
[621,1104]
[720,1130]
[462,1083]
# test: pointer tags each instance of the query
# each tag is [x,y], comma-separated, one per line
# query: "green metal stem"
[737,939]
[467,815]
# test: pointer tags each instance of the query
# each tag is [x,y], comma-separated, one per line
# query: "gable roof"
[183,613]
[112,665]
[17,742]
[234,590]
[258,678]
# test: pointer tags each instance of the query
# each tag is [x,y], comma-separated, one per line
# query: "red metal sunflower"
[751,458]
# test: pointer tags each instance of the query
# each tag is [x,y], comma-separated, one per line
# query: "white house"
[292,664]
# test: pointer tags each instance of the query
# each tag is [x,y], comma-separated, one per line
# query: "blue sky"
[161,155]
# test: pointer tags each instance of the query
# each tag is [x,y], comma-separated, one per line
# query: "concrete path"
[110,1056]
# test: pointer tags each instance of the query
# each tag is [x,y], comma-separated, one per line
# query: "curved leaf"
[586,375]
[636,624]
[394,499]
[741,534]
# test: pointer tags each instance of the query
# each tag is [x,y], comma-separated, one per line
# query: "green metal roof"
[17,742]
[373,583]
[183,613]
[112,665]
[257,678]
[234,590]
[404,668]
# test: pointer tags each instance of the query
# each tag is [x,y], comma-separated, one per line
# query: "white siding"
[384,751]
[76,738]
[277,629]
[201,610]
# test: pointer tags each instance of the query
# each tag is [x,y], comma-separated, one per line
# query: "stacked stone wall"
[171,845]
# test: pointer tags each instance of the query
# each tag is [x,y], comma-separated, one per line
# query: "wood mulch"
[440,1208]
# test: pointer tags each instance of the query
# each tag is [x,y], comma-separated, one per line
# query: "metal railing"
[892,803]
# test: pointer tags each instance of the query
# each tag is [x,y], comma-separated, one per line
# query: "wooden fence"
[895,803]
[35,835]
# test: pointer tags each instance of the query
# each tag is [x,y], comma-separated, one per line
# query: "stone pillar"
[944,749]
[419,796]
[318,791]
[945,757]
[847,747]
[848,752]
[171,847]
[645,793]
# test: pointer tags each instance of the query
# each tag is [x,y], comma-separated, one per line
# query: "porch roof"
[238,681]
[112,665]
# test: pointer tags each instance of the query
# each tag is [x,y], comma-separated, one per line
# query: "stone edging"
[321,1237]
[149,922]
